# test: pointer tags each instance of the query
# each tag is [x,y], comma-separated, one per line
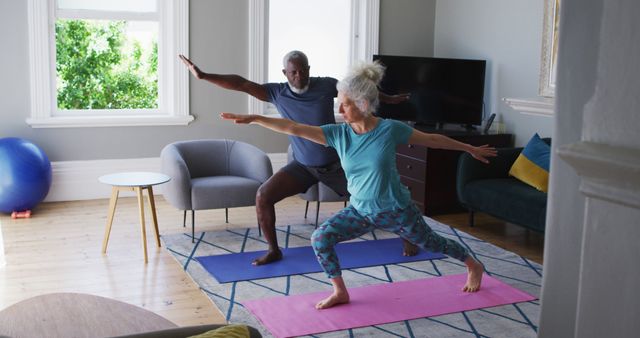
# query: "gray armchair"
[318,193]
[213,174]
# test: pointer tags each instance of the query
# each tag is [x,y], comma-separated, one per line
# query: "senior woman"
[366,146]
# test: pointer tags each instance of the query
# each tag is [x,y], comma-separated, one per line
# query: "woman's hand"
[482,152]
[197,73]
[238,118]
[394,99]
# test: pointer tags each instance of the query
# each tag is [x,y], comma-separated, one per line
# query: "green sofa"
[488,188]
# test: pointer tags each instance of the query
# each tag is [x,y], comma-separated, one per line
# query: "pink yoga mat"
[380,304]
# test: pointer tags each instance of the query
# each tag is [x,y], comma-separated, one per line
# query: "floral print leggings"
[407,223]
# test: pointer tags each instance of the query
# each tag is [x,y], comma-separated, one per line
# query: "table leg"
[142,227]
[112,211]
[154,217]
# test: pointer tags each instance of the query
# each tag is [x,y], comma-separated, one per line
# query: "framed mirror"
[549,48]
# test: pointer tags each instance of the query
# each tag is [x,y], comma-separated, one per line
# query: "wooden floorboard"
[511,237]
[59,250]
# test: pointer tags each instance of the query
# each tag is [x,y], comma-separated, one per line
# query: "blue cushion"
[532,165]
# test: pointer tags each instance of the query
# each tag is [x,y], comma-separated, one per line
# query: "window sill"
[109,121]
[537,107]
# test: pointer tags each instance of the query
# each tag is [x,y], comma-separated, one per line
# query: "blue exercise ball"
[25,175]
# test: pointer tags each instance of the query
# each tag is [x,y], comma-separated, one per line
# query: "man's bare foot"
[270,257]
[333,300]
[409,249]
[474,275]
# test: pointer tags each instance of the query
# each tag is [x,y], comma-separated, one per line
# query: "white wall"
[218,43]
[406,27]
[591,277]
[508,34]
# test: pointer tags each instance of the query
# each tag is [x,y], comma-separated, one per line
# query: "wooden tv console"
[430,174]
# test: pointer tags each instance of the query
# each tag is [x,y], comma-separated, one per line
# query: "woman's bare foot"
[333,300]
[474,275]
[340,294]
[270,257]
[409,249]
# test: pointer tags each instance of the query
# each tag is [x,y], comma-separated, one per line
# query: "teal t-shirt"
[369,162]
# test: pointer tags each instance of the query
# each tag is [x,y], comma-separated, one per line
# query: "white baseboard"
[78,180]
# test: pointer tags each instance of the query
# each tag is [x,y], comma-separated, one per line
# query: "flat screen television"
[443,91]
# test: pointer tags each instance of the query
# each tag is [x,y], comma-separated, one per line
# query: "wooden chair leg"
[471,218]
[226,215]
[184,219]
[306,208]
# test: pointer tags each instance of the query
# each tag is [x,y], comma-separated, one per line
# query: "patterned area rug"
[515,320]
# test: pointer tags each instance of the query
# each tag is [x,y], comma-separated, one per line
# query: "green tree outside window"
[98,68]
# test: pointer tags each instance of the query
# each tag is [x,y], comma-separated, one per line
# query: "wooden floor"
[59,250]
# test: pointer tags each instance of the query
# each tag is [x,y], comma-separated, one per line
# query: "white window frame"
[365,22]
[173,81]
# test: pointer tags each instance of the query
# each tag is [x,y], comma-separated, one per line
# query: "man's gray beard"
[298,91]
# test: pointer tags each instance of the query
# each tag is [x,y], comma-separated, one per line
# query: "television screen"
[442,90]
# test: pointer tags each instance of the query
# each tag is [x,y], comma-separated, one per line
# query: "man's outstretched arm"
[231,81]
[393,99]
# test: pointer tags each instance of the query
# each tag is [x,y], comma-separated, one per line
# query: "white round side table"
[138,182]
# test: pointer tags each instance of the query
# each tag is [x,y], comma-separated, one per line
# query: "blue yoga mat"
[237,266]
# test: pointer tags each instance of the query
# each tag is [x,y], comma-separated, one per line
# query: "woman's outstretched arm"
[438,141]
[283,126]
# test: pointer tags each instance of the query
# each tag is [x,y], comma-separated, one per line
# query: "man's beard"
[297,90]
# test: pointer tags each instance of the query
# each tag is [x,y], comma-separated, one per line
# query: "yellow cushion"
[532,165]
[227,331]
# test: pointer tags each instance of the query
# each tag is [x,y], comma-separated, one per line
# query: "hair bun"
[373,71]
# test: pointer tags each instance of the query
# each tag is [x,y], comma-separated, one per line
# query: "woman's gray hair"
[361,85]
[292,55]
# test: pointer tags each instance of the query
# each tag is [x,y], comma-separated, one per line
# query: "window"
[549,52]
[333,33]
[323,36]
[108,63]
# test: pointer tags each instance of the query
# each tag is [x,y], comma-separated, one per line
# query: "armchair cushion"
[238,191]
